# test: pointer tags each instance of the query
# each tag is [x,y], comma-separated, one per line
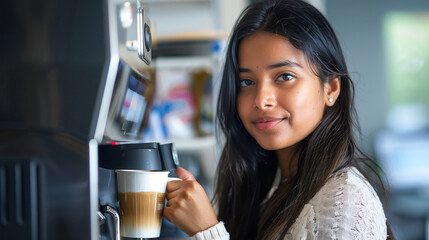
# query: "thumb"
[184,175]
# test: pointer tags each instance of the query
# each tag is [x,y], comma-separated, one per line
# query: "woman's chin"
[269,146]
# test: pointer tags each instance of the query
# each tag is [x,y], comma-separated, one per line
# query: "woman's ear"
[332,91]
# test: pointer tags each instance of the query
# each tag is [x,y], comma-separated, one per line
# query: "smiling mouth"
[266,124]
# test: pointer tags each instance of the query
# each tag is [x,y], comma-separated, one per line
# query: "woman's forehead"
[263,49]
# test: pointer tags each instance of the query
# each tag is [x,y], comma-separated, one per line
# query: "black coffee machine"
[76,89]
[128,155]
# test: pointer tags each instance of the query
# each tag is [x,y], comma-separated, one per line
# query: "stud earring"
[330,100]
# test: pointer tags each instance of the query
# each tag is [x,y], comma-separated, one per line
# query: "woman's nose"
[265,97]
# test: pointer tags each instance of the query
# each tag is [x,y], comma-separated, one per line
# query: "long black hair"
[245,171]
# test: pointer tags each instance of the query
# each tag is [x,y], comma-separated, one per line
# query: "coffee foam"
[142,181]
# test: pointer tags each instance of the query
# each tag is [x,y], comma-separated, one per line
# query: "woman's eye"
[245,82]
[286,77]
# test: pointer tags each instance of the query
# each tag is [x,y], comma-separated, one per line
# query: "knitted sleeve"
[217,232]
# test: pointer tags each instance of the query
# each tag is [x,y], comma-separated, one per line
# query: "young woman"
[290,167]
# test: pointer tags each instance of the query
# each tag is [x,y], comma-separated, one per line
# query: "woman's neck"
[288,161]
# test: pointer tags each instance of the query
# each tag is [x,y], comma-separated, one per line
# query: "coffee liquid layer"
[140,212]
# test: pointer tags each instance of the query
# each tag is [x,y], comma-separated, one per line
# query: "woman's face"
[280,101]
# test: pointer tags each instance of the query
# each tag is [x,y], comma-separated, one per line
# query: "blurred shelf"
[183,62]
[192,36]
[193,144]
[200,43]
[203,149]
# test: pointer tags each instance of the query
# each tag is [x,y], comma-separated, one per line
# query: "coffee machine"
[76,89]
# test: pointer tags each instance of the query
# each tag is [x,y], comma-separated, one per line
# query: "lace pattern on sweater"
[347,207]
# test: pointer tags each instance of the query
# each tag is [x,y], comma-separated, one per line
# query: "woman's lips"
[267,123]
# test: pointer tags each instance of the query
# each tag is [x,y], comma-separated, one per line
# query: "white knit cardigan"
[347,207]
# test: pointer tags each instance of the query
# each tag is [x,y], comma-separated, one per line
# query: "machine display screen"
[133,107]
[130,106]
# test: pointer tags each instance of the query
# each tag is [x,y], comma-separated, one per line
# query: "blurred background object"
[385,44]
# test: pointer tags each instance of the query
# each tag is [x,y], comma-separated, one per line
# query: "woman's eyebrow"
[284,63]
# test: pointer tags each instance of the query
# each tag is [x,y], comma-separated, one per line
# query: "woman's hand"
[187,205]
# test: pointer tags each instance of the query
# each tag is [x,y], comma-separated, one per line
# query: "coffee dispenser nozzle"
[116,220]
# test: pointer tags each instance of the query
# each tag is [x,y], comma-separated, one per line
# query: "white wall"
[184,16]
[358,25]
